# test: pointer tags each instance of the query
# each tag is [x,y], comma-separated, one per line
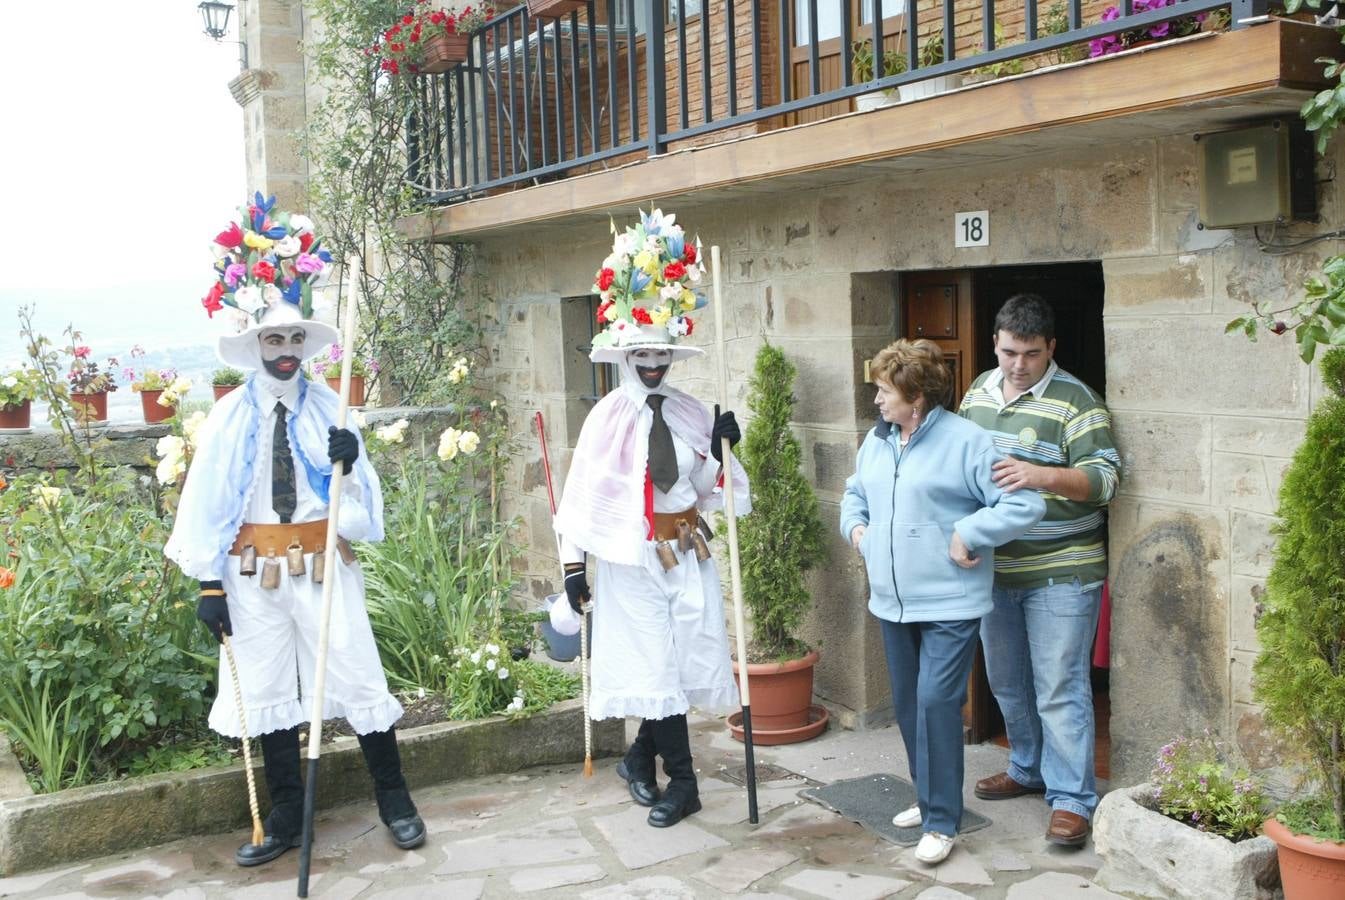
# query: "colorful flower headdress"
[266,259]
[646,284]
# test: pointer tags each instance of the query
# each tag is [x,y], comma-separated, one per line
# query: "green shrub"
[1300,672]
[783,537]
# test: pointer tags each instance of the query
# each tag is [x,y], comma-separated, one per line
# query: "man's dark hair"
[1026,316]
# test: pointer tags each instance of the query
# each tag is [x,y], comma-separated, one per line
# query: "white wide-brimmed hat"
[243,350]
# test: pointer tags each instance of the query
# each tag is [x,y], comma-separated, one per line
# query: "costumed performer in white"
[250,527]
[646,463]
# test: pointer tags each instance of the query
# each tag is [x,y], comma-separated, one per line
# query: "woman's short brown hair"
[914,369]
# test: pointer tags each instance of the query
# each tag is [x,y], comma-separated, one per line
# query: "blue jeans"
[1038,647]
[928,664]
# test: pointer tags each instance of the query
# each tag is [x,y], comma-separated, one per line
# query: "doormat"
[872,801]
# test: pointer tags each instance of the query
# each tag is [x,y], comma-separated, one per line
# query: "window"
[693,9]
[829,17]
[605,375]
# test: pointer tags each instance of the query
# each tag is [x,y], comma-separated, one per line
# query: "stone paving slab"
[550,832]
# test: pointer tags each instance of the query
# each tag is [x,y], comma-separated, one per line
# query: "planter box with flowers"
[1190,833]
[361,369]
[17,390]
[89,386]
[429,41]
[161,390]
[1182,26]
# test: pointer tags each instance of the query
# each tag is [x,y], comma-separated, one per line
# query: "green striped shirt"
[1059,422]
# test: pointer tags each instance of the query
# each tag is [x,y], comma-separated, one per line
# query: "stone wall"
[272,94]
[1206,423]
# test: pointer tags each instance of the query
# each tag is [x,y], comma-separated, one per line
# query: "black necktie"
[283,496]
[662,456]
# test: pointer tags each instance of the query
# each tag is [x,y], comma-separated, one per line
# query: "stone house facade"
[1093,203]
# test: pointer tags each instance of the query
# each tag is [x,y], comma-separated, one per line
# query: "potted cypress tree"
[1299,676]
[778,542]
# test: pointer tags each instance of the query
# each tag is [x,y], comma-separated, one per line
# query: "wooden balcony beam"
[1199,83]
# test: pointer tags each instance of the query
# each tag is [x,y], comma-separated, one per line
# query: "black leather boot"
[682,798]
[394,800]
[284,824]
[637,768]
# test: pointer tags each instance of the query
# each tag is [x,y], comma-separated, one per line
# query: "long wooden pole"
[735,567]
[328,581]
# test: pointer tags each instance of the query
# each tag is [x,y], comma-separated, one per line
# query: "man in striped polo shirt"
[1055,433]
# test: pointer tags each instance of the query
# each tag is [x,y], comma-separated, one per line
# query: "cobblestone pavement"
[549,832]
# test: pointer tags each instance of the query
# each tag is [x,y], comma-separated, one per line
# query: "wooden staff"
[583,616]
[258,833]
[328,581]
[735,567]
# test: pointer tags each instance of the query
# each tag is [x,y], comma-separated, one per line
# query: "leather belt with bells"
[687,528]
[293,540]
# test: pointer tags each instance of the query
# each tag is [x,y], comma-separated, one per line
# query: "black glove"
[576,586]
[725,427]
[342,446]
[213,610]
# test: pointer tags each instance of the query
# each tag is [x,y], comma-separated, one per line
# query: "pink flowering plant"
[85,376]
[1194,785]
[1173,28]
[328,365]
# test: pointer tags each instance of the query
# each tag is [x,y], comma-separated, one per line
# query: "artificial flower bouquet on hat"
[266,258]
[648,281]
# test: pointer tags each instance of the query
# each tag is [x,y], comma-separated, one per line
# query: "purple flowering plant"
[1174,28]
[328,365]
[1195,785]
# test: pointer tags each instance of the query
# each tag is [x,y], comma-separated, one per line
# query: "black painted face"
[651,366]
[282,351]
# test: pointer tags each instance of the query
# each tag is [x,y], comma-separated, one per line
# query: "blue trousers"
[928,664]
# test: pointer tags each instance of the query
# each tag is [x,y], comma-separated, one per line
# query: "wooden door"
[941,307]
[829,76]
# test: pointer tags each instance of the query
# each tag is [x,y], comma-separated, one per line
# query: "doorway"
[956,309]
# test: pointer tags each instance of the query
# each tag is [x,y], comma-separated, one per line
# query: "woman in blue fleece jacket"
[923,510]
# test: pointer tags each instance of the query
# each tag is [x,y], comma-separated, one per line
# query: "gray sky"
[122,157]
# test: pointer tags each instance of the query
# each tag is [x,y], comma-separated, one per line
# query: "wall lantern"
[1259,174]
[215,15]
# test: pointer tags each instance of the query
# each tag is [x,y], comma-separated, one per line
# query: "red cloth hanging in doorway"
[1102,643]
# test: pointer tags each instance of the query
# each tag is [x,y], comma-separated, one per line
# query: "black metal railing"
[541,97]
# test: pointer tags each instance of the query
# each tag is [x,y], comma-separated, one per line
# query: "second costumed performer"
[646,464]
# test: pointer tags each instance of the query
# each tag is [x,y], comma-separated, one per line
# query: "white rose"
[287,247]
[192,425]
[271,295]
[169,446]
[670,293]
[10,381]
[300,223]
[468,441]
[448,444]
[624,245]
[357,417]
[182,384]
[394,433]
[249,299]
[47,495]
[168,469]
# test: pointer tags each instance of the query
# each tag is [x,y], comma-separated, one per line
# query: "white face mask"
[281,352]
[645,371]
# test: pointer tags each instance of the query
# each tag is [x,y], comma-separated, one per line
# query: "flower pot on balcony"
[1310,869]
[878,100]
[154,412]
[553,9]
[222,389]
[16,419]
[931,86]
[782,707]
[443,52]
[356,388]
[89,409]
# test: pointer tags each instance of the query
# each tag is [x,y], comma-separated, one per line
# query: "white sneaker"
[933,848]
[908,818]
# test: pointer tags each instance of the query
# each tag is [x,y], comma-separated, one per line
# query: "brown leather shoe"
[1003,787]
[1067,829]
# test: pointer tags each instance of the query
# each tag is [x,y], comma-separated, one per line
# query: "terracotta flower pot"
[443,52]
[17,417]
[356,388]
[782,707]
[222,389]
[553,9]
[154,412]
[1309,869]
[90,407]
